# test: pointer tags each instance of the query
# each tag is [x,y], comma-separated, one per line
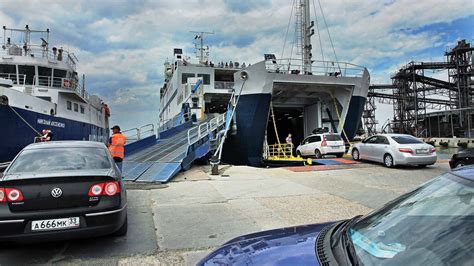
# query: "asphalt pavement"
[180,222]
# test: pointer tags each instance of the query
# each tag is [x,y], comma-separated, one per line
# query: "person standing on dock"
[116,146]
[289,144]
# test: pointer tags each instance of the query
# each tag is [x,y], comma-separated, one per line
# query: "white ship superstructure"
[41,89]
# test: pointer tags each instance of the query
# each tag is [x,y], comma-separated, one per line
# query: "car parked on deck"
[395,149]
[319,145]
[61,190]
[431,225]
[462,158]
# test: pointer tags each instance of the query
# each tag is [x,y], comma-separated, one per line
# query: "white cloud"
[122,45]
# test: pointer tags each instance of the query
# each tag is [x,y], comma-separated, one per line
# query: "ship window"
[44,76]
[8,72]
[76,107]
[206,78]
[45,98]
[26,74]
[185,76]
[82,109]
[59,74]
[69,105]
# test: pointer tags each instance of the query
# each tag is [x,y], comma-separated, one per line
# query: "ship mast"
[201,49]
[305,26]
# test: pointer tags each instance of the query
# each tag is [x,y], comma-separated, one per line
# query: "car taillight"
[96,190]
[112,188]
[405,150]
[433,150]
[13,194]
[104,189]
[2,195]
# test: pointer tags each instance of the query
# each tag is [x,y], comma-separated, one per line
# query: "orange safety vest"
[116,147]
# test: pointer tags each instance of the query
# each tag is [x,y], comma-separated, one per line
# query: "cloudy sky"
[122,45]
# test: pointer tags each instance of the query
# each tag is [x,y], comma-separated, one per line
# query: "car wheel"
[388,160]
[340,155]
[459,164]
[355,154]
[123,229]
[317,154]
[298,153]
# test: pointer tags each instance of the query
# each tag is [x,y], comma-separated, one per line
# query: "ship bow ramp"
[159,159]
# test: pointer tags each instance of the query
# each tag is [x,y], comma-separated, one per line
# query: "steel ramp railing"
[202,130]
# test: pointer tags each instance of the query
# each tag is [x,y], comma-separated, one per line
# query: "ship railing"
[62,83]
[223,85]
[40,52]
[138,133]
[282,151]
[20,81]
[175,121]
[318,68]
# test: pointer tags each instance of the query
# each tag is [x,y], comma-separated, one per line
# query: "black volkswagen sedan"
[62,190]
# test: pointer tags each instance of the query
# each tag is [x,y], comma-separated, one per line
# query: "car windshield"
[55,159]
[432,225]
[333,137]
[406,140]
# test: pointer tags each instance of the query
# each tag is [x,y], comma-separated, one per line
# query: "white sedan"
[395,149]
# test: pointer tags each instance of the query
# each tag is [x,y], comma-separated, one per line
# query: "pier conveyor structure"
[161,159]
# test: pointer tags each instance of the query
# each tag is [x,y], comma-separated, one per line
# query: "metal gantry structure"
[413,95]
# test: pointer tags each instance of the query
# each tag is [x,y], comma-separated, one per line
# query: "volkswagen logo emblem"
[56,192]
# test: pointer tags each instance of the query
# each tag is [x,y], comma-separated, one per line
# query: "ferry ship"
[271,98]
[40,90]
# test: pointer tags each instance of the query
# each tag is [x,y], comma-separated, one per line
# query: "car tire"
[123,229]
[459,164]
[340,155]
[355,155]
[388,161]
[298,153]
[317,154]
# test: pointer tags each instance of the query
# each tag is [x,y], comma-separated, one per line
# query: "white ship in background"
[40,89]
[305,95]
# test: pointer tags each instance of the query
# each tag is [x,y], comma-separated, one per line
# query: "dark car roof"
[65,144]
[466,172]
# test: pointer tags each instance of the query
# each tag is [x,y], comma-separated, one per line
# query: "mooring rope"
[26,122]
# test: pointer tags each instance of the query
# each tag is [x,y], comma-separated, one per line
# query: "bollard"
[214,165]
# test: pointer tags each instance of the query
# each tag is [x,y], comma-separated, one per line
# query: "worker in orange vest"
[116,146]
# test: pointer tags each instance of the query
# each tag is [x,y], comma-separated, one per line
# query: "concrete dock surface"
[180,222]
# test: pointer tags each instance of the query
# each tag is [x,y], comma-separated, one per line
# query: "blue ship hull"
[16,134]
[246,147]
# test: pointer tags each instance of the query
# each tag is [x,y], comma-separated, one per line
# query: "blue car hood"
[287,246]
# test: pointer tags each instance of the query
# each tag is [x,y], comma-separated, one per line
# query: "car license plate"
[335,147]
[421,151]
[55,224]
